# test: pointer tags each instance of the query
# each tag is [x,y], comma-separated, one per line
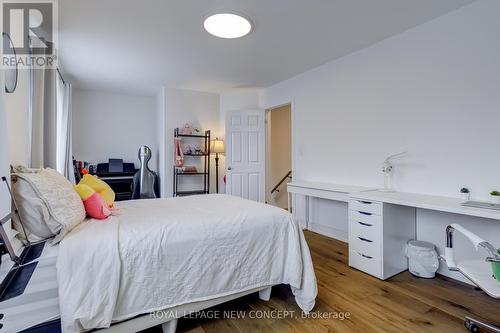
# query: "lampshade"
[217,146]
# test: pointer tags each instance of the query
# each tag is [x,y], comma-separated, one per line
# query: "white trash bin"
[422,259]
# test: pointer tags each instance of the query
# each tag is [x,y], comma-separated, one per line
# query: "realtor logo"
[29,31]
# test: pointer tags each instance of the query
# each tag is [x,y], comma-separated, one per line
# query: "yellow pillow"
[100,187]
[84,191]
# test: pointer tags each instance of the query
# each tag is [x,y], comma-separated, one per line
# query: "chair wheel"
[471,327]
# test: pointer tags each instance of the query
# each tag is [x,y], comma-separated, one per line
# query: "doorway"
[278,154]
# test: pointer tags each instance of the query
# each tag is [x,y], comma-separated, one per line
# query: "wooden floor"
[401,304]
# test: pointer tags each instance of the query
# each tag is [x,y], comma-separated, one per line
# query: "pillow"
[94,204]
[48,205]
[100,187]
[23,169]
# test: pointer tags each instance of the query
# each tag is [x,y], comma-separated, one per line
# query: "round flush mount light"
[227,25]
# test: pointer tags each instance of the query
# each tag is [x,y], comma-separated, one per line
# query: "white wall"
[110,125]
[201,110]
[432,91]
[16,118]
[119,124]
[239,99]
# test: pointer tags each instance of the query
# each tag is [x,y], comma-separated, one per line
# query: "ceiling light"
[227,25]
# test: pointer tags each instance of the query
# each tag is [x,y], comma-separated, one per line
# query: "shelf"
[182,193]
[191,173]
[192,136]
[204,157]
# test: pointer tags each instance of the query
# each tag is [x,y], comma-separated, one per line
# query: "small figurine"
[188,150]
[187,129]
[197,131]
[197,149]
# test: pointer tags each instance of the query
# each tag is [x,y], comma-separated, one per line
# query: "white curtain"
[42,118]
[64,133]
[50,121]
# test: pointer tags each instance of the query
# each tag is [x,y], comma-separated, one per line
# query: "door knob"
[229,168]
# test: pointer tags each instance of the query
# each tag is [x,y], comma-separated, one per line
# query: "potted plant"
[496,268]
[495,197]
[465,193]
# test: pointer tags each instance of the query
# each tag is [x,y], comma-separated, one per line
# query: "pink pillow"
[96,207]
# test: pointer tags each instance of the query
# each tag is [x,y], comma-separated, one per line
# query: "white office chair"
[477,271]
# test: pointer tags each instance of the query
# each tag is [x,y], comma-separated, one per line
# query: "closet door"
[245,154]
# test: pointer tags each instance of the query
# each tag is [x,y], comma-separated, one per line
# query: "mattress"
[160,253]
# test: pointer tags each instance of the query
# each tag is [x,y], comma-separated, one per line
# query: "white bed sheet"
[160,253]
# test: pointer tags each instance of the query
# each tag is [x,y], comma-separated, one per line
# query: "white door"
[245,154]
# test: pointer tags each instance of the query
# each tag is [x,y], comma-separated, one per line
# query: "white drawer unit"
[367,207]
[366,219]
[365,239]
[365,263]
[365,246]
[378,234]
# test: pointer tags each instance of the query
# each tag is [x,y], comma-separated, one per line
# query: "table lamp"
[217,147]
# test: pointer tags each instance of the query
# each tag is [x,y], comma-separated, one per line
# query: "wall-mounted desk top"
[424,201]
[342,193]
[325,190]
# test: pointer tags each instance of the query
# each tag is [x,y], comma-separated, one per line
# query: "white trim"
[268,153]
[292,134]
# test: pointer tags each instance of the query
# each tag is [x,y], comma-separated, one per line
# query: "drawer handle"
[365,202]
[365,213]
[366,224]
[365,240]
[365,256]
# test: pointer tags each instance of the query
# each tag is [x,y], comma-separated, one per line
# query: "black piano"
[119,176]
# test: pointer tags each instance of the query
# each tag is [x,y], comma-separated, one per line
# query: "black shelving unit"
[206,166]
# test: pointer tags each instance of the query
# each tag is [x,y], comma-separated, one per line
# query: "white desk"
[336,192]
[381,250]
[391,216]
[431,202]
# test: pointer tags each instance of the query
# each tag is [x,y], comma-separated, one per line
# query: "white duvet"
[162,253]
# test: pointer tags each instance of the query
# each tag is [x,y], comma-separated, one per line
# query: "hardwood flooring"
[401,304]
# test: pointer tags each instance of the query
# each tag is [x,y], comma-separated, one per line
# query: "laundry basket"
[422,259]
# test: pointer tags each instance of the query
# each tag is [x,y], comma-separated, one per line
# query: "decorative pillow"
[94,204]
[100,187]
[23,169]
[48,205]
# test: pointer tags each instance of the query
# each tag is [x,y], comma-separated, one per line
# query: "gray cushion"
[48,205]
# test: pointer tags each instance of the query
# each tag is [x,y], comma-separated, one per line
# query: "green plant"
[495,193]
[496,269]
[464,190]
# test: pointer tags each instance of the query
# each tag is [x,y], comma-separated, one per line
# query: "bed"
[178,255]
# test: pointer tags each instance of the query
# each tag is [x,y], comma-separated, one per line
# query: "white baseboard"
[327,231]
